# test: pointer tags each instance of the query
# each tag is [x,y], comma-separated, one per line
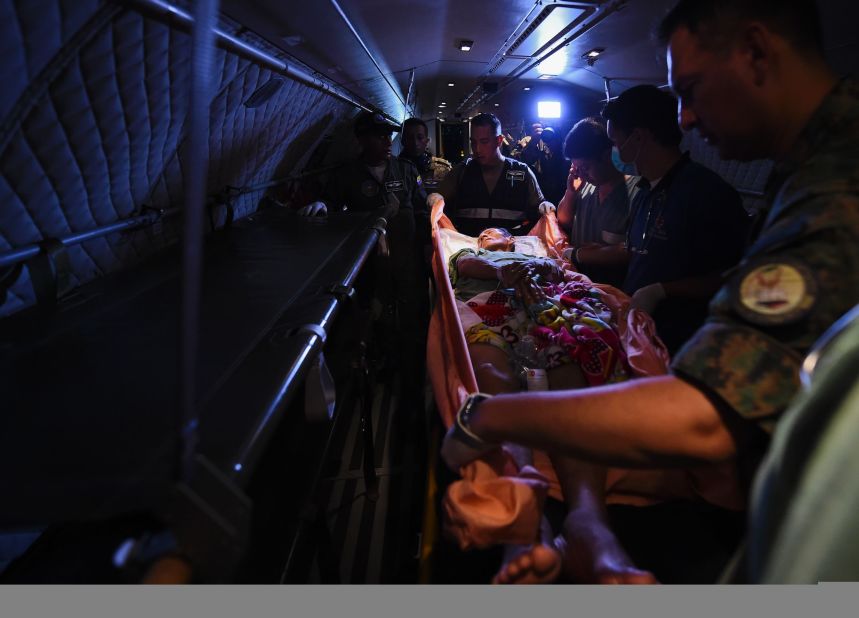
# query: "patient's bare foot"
[538,564]
[592,554]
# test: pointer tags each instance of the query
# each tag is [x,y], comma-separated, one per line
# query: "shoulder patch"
[774,292]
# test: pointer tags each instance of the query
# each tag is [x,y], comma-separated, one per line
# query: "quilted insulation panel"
[92,129]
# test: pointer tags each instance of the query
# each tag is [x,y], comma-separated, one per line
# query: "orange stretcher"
[496,502]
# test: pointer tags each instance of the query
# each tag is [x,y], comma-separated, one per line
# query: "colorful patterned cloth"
[574,325]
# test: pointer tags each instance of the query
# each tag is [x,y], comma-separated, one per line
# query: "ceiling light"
[465,45]
[549,109]
[591,55]
[451,84]
[526,88]
[497,104]
[547,76]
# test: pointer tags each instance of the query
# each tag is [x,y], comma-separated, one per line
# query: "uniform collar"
[666,180]
[836,112]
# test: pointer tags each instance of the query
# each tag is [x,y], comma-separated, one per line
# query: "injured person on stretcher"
[518,310]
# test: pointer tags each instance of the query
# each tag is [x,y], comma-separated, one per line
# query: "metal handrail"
[22,254]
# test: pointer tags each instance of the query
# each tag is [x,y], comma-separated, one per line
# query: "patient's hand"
[529,292]
[546,268]
[510,274]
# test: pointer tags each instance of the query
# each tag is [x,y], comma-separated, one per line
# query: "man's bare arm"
[648,422]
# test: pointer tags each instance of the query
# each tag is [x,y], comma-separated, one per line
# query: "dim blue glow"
[549,109]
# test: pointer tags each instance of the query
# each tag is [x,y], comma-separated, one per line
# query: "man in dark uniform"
[490,190]
[688,225]
[415,141]
[373,180]
[751,77]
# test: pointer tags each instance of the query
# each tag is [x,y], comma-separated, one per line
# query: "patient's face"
[494,239]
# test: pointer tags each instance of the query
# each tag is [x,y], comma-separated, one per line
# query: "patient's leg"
[492,369]
[541,562]
[592,554]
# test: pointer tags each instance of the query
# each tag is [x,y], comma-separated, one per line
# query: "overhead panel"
[550,23]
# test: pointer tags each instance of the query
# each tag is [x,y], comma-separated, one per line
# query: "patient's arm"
[475,267]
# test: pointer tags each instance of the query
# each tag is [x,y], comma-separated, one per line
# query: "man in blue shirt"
[688,225]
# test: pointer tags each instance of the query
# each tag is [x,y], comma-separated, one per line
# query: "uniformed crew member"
[751,77]
[371,181]
[687,225]
[490,190]
[415,140]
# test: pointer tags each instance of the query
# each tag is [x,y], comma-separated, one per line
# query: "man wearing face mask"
[688,225]
[415,140]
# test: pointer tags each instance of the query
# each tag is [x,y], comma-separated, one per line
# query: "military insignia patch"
[515,176]
[775,292]
[369,188]
[394,185]
[420,180]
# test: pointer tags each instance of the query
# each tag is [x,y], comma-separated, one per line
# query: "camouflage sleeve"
[749,371]
[448,186]
[798,278]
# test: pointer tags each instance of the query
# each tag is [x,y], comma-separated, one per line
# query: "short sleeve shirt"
[796,279]
[592,218]
[691,223]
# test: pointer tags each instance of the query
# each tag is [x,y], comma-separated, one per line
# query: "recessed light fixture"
[592,54]
[526,88]
[497,104]
[451,84]
[547,76]
[466,45]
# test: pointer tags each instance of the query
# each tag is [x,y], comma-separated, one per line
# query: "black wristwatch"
[463,417]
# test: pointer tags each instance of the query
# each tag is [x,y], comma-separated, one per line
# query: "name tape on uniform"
[394,185]
[515,176]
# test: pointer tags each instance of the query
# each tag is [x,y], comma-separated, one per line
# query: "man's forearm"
[609,255]
[649,422]
[476,268]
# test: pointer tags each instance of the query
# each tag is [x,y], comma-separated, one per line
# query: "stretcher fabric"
[496,502]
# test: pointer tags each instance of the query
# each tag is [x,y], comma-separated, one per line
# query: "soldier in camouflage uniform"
[415,141]
[751,77]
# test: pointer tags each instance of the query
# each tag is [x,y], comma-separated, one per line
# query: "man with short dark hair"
[371,181]
[687,225]
[596,216]
[415,139]
[751,76]
[490,190]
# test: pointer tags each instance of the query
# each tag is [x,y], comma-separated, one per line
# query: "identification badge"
[369,188]
[775,292]
[515,176]
[393,186]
